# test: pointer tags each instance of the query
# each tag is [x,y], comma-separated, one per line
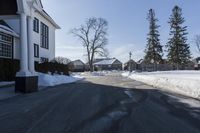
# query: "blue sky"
[128,26]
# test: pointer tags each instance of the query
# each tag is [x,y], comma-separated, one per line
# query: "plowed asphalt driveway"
[101,104]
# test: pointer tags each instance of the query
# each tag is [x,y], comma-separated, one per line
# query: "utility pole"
[129,63]
[130,54]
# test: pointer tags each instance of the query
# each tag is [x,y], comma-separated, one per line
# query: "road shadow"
[86,107]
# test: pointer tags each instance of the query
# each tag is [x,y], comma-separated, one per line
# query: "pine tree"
[153,49]
[178,49]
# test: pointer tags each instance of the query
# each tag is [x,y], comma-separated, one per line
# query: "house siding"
[50,52]
[45,53]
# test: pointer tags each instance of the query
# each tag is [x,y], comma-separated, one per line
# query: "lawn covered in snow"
[52,80]
[182,82]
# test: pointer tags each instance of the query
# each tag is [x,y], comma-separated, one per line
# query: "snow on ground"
[6,83]
[52,80]
[98,73]
[182,82]
[93,74]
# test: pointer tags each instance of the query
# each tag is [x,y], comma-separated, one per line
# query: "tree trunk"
[91,61]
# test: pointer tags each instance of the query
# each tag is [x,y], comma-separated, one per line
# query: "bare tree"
[197,42]
[61,60]
[93,36]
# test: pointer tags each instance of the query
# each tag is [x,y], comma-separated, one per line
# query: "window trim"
[44,35]
[8,43]
[36,51]
[44,59]
[36,24]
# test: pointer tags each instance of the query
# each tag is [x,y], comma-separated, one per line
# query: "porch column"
[23,47]
[25,81]
[30,46]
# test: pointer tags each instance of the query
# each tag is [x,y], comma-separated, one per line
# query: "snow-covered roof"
[77,63]
[140,61]
[8,30]
[106,62]
[131,61]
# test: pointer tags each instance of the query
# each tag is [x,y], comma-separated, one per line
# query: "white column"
[30,45]
[23,47]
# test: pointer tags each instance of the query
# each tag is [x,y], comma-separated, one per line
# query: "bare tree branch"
[93,36]
[61,60]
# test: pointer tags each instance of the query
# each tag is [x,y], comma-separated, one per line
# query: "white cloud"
[71,52]
[122,52]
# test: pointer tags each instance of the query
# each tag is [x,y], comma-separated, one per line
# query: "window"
[44,36]
[36,50]
[6,42]
[36,25]
[43,59]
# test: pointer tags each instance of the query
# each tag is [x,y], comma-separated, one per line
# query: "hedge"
[8,69]
[52,67]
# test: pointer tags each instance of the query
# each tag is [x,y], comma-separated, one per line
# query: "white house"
[27,33]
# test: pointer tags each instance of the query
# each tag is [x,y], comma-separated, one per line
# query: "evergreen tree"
[153,49]
[178,49]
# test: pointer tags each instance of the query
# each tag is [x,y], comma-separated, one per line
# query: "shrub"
[8,69]
[53,67]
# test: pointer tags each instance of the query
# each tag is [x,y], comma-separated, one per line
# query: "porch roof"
[6,29]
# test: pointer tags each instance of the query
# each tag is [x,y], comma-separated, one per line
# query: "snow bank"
[92,74]
[7,83]
[52,80]
[182,82]
[97,73]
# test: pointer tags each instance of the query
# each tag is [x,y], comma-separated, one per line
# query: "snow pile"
[92,74]
[182,82]
[126,74]
[52,80]
[97,74]
[7,83]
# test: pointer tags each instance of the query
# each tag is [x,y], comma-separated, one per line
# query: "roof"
[196,60]
[8,7]
[47,16]
[106,62]
[140,61]
[5,28]
[131,60]
[77,62]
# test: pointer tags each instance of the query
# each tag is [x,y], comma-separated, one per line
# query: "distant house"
[130,65]
[196,62]
[144,66]
[108,64]
[76,66]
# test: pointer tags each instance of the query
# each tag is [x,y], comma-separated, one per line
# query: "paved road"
[106,104]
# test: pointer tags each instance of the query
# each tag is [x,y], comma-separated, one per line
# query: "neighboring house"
[108,64]
[76,66]
[196,62]
[130,65]
[27,33]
